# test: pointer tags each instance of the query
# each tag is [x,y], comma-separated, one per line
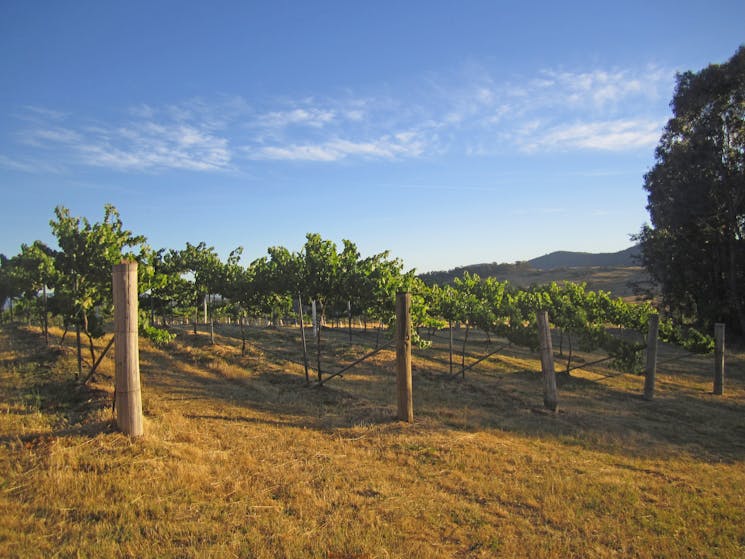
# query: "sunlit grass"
[241,459]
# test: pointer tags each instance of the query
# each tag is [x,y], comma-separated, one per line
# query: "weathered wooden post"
[550,398]
[128,399]
[651,369]
[317,314]
[314,317]
[302,336]
[719,359]
[349,315]
[403,357]
[450,324]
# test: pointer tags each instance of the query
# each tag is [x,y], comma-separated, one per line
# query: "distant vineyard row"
[73,283]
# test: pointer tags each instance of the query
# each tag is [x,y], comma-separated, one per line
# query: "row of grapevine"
[73,283]
[589,320]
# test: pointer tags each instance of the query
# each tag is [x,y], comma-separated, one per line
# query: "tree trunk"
[80,353]
[463,355]
[243,336]
[735,299]
[46,322]
[302,336]
[91,348]
[349,312]
[90,339]
[318,345]
[314,317]
[651,366]
[450,324]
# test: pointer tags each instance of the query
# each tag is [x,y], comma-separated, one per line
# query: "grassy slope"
[240,459]
[615,279]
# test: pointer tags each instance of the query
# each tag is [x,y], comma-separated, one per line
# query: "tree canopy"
[83,266]
[694,249]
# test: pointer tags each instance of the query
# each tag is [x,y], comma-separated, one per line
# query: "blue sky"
[449,133]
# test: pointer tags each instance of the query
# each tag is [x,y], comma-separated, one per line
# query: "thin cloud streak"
[402,145]
[615,135]
[31,166]
[313,117]
[470,116]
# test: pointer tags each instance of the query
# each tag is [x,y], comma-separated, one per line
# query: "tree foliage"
[174,282]
[32,271]
[695,247]
[87,252]
[9,287]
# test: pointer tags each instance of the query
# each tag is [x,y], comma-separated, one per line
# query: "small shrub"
[158,336]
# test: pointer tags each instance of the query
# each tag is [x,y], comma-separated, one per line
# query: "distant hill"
[615,272]
[565,259]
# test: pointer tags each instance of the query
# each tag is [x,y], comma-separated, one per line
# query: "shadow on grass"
[38,387]
[80,430]
[592,414]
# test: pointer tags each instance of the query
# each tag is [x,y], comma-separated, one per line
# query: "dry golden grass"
[616,279]
[241,459]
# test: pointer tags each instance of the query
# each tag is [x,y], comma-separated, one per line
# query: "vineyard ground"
[241,459]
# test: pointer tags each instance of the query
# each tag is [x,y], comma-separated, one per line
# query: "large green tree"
[695,247]
[33,271]
[87,251]
[8,284]
[203,265]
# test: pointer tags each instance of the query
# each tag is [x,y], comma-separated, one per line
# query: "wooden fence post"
[450,324]
[651,369]
[128,399]
[403,357]
[317,314]
[302,337]
[314,318]
[550,398]
[719,359]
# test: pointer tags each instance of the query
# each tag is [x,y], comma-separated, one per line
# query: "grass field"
[241,459]
[616,279]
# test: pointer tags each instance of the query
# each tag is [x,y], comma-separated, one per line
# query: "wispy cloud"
[615,135]
[183,137]
[31,112]
[612,110]
[601,89]
[41,136]
[314,117]
[151,146]
[26,165]
[476,114]
[401,145]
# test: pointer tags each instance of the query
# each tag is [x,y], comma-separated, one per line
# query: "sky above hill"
[449,133]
